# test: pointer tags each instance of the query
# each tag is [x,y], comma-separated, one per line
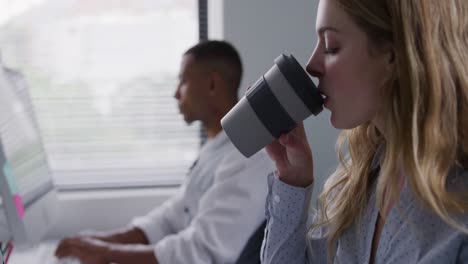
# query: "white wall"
[263,29]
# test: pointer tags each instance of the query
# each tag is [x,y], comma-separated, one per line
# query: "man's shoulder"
[234,161]
[232,154]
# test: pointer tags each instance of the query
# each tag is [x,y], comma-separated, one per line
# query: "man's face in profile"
[191,93]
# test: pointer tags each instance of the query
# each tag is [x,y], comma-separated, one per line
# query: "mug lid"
[300,82]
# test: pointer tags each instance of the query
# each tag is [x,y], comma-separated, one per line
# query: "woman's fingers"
[277,153]
[293,157]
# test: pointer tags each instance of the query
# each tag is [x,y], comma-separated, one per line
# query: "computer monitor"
[27,192]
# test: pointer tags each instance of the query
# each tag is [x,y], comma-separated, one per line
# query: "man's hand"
[93,251]
[125,236]
[87,250]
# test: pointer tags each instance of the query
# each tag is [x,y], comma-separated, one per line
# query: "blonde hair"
[423,112]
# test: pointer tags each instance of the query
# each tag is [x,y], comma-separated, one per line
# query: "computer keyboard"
[41,254]
[46,255]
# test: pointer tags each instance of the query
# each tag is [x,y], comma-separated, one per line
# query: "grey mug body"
[274,105]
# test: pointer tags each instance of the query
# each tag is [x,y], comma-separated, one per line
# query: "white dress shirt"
[215,211]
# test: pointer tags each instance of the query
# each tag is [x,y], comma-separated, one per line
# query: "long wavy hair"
[424,108]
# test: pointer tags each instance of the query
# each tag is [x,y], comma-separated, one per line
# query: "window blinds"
[102,75]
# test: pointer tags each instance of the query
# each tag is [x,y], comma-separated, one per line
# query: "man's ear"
[216,82]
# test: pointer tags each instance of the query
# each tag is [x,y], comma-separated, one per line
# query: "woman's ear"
[389,50]
[392,72]
[388,64]
[392,56]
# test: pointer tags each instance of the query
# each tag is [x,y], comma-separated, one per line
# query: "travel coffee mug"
[273,106]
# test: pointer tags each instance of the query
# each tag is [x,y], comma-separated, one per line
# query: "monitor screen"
[26,183]
[26,165]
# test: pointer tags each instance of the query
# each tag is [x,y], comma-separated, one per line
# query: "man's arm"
[93,251]
[143,230]
[228,214]
[127,235]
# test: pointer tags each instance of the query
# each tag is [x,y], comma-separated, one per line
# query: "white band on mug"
[274,105]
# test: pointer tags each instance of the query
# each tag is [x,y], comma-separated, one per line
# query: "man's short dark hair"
[222,57]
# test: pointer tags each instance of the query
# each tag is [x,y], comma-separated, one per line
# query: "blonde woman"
[395,77]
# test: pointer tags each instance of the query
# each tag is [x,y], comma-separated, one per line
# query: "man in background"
[221,203]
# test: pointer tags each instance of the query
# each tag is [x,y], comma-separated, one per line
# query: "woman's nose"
[315,66]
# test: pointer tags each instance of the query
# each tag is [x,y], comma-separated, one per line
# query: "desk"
[39,254]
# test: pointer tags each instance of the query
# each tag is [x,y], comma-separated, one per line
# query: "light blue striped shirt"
[412,235]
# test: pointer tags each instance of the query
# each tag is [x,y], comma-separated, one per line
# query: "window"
[102,75]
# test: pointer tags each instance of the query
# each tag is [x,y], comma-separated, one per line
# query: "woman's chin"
[341,123]
[334,122]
